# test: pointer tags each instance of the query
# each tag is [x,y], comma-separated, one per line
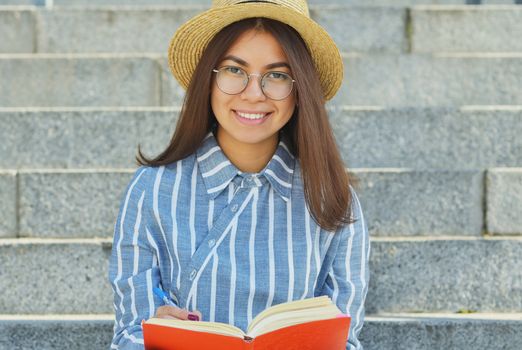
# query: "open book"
[314,323]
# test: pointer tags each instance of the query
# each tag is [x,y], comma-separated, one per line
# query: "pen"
[161,294]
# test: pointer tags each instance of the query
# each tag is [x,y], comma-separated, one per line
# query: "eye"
[233,70]
[278,76]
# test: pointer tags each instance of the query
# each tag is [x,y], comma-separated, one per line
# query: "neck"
[249,158]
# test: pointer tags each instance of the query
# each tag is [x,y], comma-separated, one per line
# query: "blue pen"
[161,294]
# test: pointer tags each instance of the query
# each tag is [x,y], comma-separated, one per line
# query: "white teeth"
[251,116]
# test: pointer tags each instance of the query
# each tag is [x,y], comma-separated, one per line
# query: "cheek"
[216,100]
[288,107]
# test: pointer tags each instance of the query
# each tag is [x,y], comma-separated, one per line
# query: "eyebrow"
[245,63]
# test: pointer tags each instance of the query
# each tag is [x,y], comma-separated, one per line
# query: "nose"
[253,90]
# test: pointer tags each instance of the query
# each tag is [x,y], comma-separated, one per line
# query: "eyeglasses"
[234,80]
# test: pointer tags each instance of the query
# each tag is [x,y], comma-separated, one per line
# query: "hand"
[167,311]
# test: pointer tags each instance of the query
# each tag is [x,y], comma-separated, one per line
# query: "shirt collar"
[218,171]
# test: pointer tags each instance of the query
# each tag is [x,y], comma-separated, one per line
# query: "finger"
[169,317]
[172,311]
[196,313]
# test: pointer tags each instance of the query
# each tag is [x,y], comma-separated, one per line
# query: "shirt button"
[193,274]
[211,243]
[234,208]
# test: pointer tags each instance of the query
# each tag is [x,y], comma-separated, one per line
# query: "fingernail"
[193,317]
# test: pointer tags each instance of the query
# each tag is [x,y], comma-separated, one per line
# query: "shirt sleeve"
[347,280]
[133,268]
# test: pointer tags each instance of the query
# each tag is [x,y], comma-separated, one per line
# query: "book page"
[199,326]
[290,318]
[322,301]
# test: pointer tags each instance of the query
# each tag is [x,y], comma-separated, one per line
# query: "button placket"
[216,232]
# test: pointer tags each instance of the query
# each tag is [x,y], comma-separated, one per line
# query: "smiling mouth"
[252,116]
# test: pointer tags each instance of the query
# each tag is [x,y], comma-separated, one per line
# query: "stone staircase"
[429,118]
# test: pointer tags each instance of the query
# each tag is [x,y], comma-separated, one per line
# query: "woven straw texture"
[191,39]
[299,6]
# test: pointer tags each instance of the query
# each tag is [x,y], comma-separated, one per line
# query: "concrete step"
[52,332]
[55,276]
[448,274]
[398,332]
[470,137]
[80,80]
[394,29]
[74,3]
[442,332]
[82,137]
[431,80]
[466,28]
[145,80]
[78,203]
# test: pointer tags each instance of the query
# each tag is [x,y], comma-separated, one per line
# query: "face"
[250,118]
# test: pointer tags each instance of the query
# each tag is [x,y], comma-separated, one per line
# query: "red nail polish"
[193,317]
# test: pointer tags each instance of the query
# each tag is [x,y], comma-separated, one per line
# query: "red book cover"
[330,334]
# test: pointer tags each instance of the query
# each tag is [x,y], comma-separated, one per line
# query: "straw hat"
[191,39]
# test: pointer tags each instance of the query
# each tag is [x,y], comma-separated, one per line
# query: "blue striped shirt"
[229,244]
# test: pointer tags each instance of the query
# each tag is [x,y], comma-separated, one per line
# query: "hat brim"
[191,39]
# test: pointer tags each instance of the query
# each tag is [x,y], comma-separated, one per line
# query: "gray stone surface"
[416,275]
[420,138]
[45,80]
[156,130]
[446,275]
[18,32]
[150,29]
[172,93]
[129,2]
[499,2]
[11,3]
[504,201]
[366,29]
[422,203]
[208,2]
[429,138]
[415,81]
[80,203]
[55,334]
[55,277]
[421,333]
[70,203]
[110,30]
[379,80]
[8,219]
[378,333]
[467,29]
[72,138]
[426,80]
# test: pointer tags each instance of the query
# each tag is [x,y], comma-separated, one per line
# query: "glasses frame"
[217,70]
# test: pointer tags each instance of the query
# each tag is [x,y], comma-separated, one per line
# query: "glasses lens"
[231,80]
[277,85]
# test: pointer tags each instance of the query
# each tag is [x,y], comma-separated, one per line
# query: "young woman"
[250,204]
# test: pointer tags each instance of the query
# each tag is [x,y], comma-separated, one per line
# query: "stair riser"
[85,204]
[376,335]
[405,276]
[378,80]
[436,203]
[431,138]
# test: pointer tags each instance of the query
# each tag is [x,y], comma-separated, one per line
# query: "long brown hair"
[326,183]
